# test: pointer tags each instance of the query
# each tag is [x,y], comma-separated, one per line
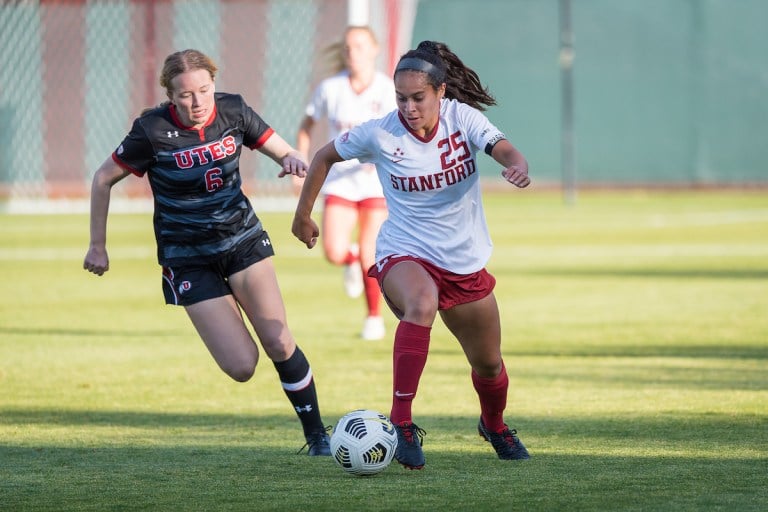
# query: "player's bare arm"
[304,228]
[304,137]
[288,158]
[96,259]
[303,142]
[515,165]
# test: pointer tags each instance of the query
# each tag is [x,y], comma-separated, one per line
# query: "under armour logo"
[173,133]
[266,242]
[306,408]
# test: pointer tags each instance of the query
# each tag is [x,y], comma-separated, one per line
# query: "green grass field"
[635,333]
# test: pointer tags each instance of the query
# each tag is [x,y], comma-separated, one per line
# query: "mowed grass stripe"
[634,333]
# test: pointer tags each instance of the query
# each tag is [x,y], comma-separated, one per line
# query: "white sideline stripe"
[522,252]
[121,205]
[72,206]
[71,254]
[598,250]
[709,218]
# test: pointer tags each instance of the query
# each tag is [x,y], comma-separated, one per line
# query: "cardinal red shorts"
[453,289]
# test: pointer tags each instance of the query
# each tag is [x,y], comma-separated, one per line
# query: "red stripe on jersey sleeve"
[261,140]
[125,166]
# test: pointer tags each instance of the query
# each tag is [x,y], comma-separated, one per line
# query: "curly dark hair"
[461,82]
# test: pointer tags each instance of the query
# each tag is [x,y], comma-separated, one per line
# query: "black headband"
[416,64]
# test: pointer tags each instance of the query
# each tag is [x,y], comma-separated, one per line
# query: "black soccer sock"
[299,386]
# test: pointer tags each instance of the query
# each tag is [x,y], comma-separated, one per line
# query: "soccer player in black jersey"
[213,249]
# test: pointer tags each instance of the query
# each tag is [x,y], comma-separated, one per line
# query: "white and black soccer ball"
[363,442]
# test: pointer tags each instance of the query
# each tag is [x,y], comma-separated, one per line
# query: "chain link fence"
[74,75]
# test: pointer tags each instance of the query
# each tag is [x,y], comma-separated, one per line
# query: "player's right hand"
[96,261]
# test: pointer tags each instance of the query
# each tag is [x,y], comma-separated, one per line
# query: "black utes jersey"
[200,209]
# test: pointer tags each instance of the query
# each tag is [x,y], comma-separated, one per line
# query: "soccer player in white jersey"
[353,195]
[432,250]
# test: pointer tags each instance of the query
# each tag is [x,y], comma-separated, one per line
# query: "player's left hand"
[306,230]
[293,164]
[517,176]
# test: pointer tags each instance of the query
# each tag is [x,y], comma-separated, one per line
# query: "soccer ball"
[363,442]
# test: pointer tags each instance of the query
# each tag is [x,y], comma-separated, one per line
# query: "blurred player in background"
[432,250]
[214,251]
[353,195]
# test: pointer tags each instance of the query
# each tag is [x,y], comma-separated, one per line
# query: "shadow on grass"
[160,420]
[189,465]
[747,429]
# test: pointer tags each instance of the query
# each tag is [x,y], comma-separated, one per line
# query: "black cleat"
[506,444]
[409,441]
[318,443]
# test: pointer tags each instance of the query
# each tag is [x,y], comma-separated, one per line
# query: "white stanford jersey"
[335,100]
[432,185]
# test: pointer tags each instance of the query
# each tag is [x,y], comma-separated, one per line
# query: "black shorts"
[188,284]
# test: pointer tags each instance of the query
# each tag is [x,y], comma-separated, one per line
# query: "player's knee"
[335,258]
[279,349]
[421,308]
[487,368]
[241,374]
[240,371]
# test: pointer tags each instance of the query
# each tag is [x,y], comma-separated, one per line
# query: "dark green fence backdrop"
[669,92]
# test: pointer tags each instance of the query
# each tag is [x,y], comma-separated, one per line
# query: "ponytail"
[441,65]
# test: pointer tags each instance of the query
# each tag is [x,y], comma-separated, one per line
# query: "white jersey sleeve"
[431,184]
[344,108]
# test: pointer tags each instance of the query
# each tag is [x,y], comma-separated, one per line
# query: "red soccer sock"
[351,258]
[409,357]
[372,295]
[493,398]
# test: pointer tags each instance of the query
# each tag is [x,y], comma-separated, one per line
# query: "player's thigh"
[339,221]
[411,292]
[258,292]
[220,324]
[370,222]
[477,327]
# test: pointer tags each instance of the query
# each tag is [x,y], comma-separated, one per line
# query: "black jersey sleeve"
[255,130]
[135,153]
